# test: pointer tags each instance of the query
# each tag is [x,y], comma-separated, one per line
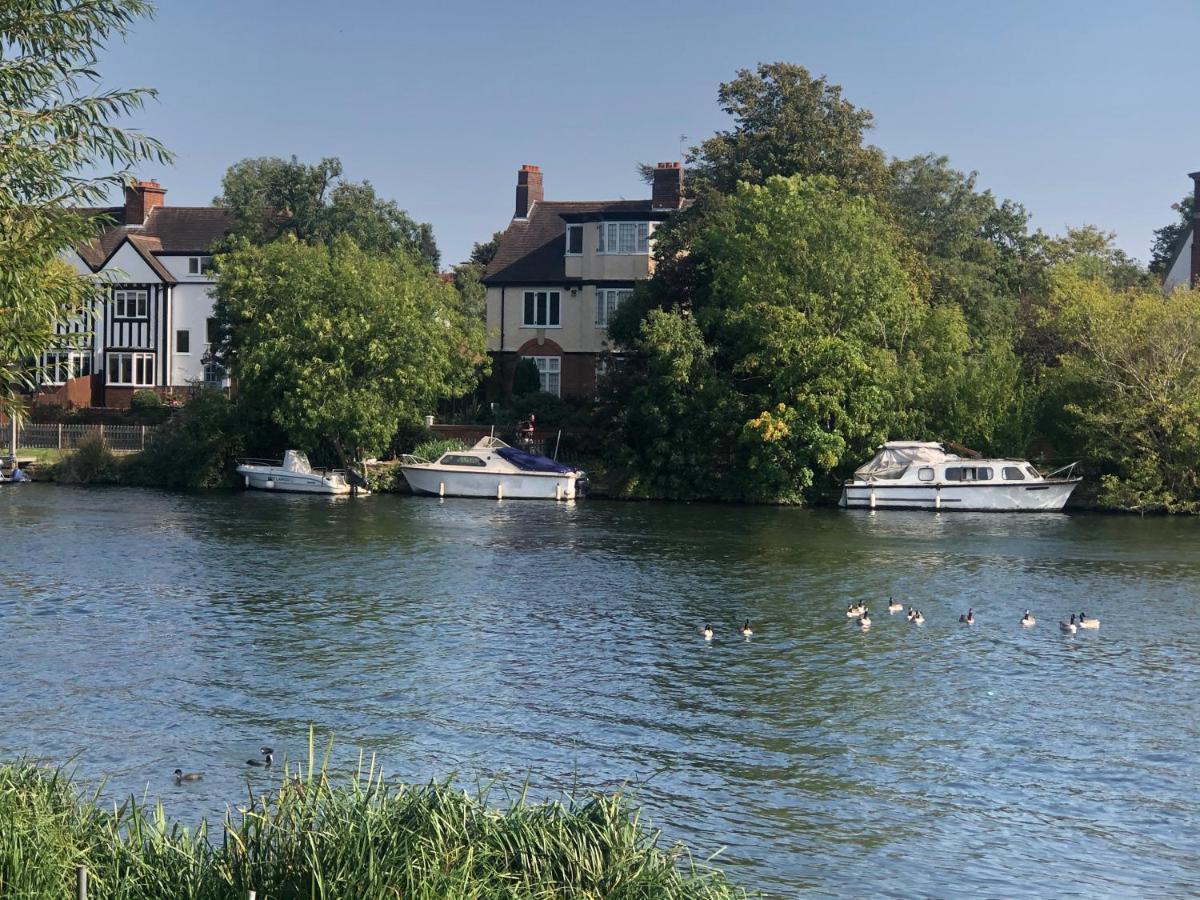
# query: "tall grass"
[317,837]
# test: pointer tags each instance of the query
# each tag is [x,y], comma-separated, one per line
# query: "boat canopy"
[295,461]
[895,457]
[531,462]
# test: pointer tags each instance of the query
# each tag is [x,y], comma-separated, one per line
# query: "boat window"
[969,473]
[925,474]
[456,459]
[953,474]
[1012,473]
[1033,473]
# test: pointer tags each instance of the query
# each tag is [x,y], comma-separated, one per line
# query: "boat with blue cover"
[492,469]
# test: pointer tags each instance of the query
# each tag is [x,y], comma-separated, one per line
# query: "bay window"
[542,309]
[607,301]
[623,237]
[549,373]
[131,369]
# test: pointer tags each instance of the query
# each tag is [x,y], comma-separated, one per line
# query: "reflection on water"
[561,642]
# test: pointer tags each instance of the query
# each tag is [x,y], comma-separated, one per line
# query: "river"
[560,643]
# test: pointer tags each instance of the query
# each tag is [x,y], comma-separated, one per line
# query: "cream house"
[560,270]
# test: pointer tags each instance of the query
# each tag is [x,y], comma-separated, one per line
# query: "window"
[135,369]
[62,365]
[550,372]
[451,459]
[199,265]
[574,240]
[214,373]
[623,237]
[1012,473]
[130,304]
[969,473]
[183,341]
[542,309]
[1033,473]
[925,474]
[607,301]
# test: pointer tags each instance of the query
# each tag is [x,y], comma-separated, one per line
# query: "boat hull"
[1048,496]
[495,485]
[262,479]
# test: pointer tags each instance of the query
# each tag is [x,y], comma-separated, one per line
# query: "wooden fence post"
[80,883]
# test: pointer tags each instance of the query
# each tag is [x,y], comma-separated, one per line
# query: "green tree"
[1169,238]
[273,197]
[337,346]
[483,253]
[59,148]
[526,379]
[1093,254]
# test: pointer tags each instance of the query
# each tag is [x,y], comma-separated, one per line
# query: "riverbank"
[364,837]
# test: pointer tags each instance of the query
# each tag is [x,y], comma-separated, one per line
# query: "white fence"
[61,436]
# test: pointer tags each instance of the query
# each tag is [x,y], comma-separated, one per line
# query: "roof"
[534,250]
[167,229]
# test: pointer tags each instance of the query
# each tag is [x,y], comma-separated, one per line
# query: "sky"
[1078,110]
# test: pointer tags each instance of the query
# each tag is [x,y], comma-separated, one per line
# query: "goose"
[1027,620]
[919,618]
[265,762]
[855,610]
[911,614]
[1068,627]
[864,621]
[747,631]
[969,618]
[707,632]
[1085,622]
[181,776]
[894,606]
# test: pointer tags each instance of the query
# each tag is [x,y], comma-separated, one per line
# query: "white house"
[155,325]
[1185,266]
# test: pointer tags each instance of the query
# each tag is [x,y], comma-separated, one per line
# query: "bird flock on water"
[861,616]
[267,754]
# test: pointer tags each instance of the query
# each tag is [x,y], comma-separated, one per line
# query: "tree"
[273,197]
[59,145]
[786,122]
[336,345]
[526,378]
[1169,238]
[1093,254]
[482,254]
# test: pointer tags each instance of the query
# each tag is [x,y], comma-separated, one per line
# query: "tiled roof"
[533,250]
[167,229]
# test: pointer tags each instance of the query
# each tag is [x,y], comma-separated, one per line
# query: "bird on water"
[969,618]
[1068,627]
[1088,622]
[707,632]
[268,757]
[894,605]
[747,631]
[181,776]
[1027,620]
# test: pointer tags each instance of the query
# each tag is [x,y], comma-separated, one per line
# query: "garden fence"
[64,436]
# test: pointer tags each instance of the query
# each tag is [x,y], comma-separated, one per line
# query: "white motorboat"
[924,475]
[294,474]
[492,469]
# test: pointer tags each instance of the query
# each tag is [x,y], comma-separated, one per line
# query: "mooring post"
[251,896]
[80,883]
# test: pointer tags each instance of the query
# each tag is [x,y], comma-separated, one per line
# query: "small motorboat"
[924,475]
[492,469]
[295,475]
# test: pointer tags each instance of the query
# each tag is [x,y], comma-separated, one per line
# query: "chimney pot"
[529,190]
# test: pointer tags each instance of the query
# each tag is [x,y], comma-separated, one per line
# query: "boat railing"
[1068,469]
[278,464]
[411,459]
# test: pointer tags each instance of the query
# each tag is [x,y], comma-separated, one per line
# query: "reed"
[316,836]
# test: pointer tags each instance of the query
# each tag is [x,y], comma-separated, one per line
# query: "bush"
[435,447]
[526,378]
[145,400]
[198,448]
[550,410]
[91,462]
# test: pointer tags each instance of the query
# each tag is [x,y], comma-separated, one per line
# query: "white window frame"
[70,363]
[525,323]
[628,238]
[139,373]
[549,373]
[607,301]
[582,238]
[188,351]
[127,299]
[199,266]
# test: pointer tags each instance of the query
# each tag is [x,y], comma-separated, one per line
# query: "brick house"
[560,270]
[153,329]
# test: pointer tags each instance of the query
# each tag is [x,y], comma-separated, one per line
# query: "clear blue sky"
[1080,110]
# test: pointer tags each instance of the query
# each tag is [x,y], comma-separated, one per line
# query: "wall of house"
[608,266]
[1181,271]
[191,307]
[577,332]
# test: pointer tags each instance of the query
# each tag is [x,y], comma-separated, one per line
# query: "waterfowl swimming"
[707,632]
[1027,620]
[969,618]
[864,621]
[855,609]
[265,762]
[181,776]
[894,606]
[919,618]
[747,630]
[1068,627]
[911,614]
[1085,622]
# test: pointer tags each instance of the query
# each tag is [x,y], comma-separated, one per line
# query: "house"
[1185,266]
[560,270]
[155,325]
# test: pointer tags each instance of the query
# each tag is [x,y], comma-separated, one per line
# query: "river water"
[560,643]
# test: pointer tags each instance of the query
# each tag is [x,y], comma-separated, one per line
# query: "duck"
[919,618]
[854,610]
[1027,620]
[1085,622]
[181,776]
[1068,627]
[864,621]
[969,618]
[894,606]
[265,762]
[707,632]
[911,614]
[747,631]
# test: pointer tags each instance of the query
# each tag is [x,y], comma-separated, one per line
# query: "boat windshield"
[295,461]
[894,458]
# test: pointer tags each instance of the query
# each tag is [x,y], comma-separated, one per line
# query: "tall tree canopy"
[272,197]
[336,345]
[60,147]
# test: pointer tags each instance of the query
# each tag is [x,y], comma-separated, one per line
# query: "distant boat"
[924,475]
[294,475]
[492,469]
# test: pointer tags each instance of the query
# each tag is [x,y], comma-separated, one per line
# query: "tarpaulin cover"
[531,462]
[896,456]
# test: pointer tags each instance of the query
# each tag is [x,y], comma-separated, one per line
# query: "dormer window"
[574,240]
[623,237]
[199,265]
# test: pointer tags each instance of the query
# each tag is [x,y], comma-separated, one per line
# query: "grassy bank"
[361,838]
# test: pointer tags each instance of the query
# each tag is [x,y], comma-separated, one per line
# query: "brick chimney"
[1195,271]
[140,198]
[529,190]
[668,186]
